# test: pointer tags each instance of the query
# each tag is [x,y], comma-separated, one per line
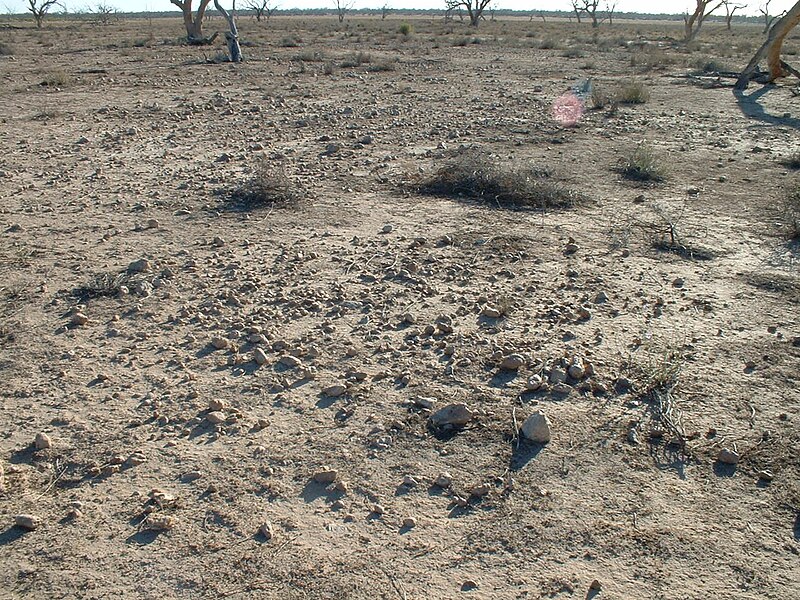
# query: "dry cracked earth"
[206,398]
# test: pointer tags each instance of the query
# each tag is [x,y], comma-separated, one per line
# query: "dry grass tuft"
[269,186]
[477,176]
[632,92]
[642,165]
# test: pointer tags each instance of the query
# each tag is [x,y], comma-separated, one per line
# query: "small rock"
[512,362]
[388,228]
[595,586]
[137,458]
[409,523]
[533,383]
[558,376]
[491,312]
[42,441]
[561,389]
[577,368]
[326,476]
[334,391]
[444,480]
[29,522]
[267,530]
[427,403]
[215,404]
[469,585]
[78,319]
[139,266]
[220,343]
[260,357]
[152,224]
[537,428]
[156,522]
[409,481]
[571,248]
[481,490]
[409,318]
[215,417]
[766,475]
[191,476]
[290,361]
[728,457]
[454,415]
[378,509]
[601,298]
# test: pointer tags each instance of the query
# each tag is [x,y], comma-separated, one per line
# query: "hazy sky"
[661,6]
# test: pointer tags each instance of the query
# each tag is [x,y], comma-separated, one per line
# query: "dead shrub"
[642,165]
[632,92]
[56,78]
[269,186]
[477,176]
[6,50]
[355,60]
[101,285]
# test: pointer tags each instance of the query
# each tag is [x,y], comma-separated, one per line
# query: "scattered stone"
[409,481]
[334,391]
[290,361]
[481,490]
[728,457]
[388,228]
[584,314]
[139,266]
[42,441]
[260,357]
[534,383]
[409,523]
[326,476]
[491,312]
[78,319]
[453,415]
[469,585]
[220,343]
[378,509]
[215,417]
[537,428]
[157,522]
[601,298]
[766,476]
[152,224]
[512,362]
[571,247]
[562,389]
[595,586]
[215,404]
[28,522]
[444,480]
[267,530]
[558,376]
[191,476]
[577,368]
[409,318]
[426,403]
[137,458]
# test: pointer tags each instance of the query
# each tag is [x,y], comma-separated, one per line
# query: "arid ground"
[144,267]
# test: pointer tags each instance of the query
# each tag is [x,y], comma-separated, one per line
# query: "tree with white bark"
[771,49]
[474,8]
[693,22]
[194,21]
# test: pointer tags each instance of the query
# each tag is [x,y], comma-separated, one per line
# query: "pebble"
[216,404]
[409,481]
[537,428]
[326,476]
[576,369]
[388,228]
[290,361]
[220,343]
[267,530]
[156,522]
[601,298]
[29,522]
[409,523]
[558,376]
[454,415]
[533,383]
[512,362]
[427,403]
[191,476]
[728,457]
[42,441]
[139,266]
[378,509]
[137,458]
[260,356]
[491,312]
[78,319]
[444,480]
[216,417]
[480,490]
[334,391]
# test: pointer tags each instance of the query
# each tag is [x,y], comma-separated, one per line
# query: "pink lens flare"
[567,109]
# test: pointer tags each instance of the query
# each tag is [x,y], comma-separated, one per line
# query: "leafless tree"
[39,8]
[611,7]
[261,8]
[768,19]
[342,6]
[194,22]
[588,8]
[385,10]
[104,13]
[474,8]
[576,9]
[693,22]
[772,50]
[730,9]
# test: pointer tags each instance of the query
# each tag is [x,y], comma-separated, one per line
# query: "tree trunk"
[772,49]
[232,36]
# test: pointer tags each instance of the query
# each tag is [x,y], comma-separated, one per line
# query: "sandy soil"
[171,464]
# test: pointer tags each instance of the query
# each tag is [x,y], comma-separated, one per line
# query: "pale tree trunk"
[232,36]
[772,49]
[194,23]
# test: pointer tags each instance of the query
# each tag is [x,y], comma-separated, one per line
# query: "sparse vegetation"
[57,79]
[476,176]
[405,29]
[269,186]
[793,160]
[101,285]
[6,49]
[642,165]
[355,59]
[791,211]
[632,92]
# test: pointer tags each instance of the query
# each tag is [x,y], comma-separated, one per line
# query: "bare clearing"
[141,278]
